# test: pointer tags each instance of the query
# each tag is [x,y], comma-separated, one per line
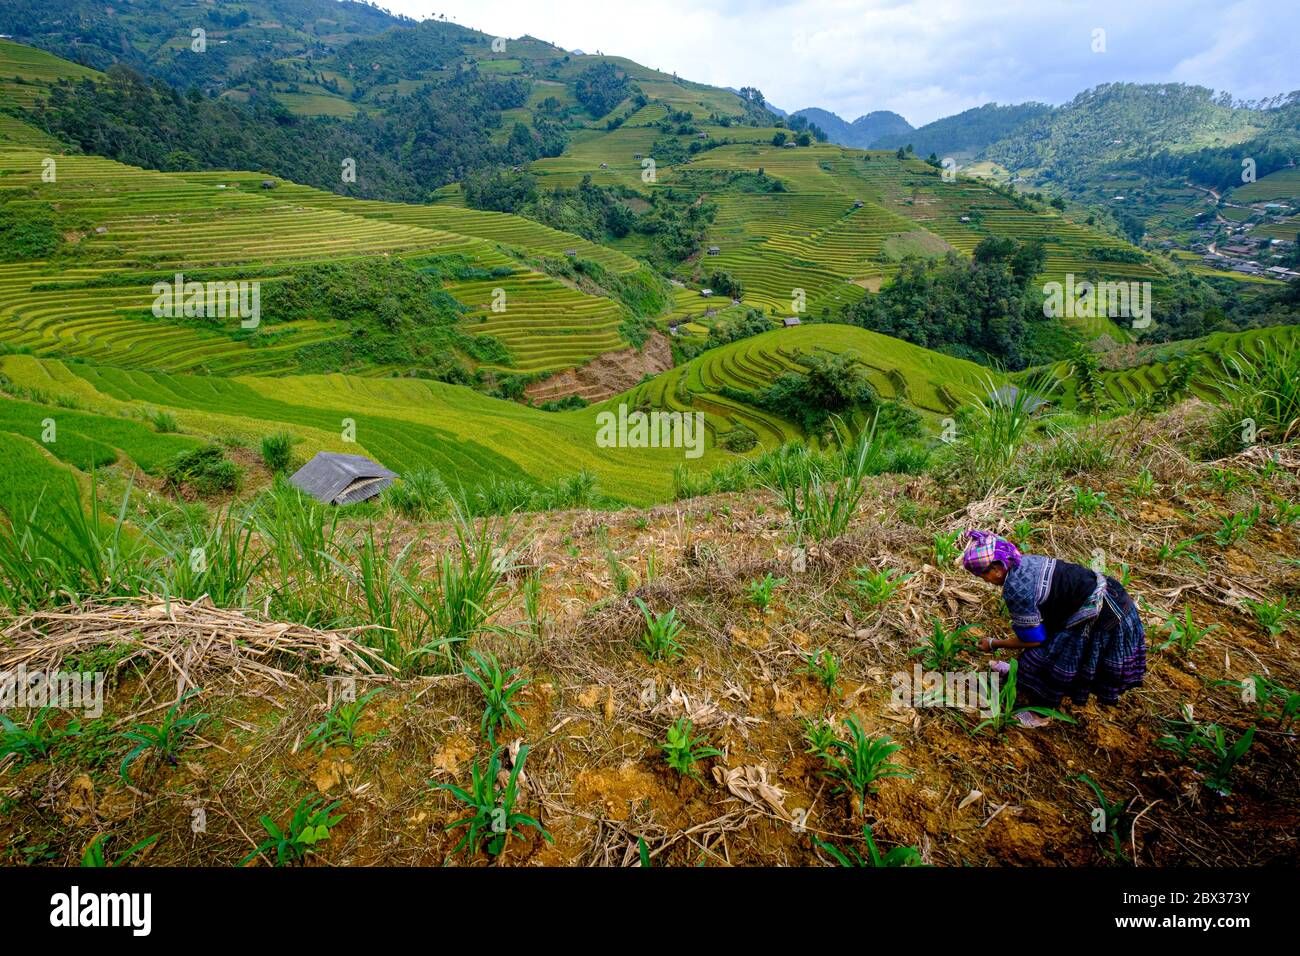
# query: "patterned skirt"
[1104,656]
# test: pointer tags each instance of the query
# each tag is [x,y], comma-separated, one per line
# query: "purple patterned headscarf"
[986,548]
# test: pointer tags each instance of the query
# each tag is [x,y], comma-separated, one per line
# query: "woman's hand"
[985,644]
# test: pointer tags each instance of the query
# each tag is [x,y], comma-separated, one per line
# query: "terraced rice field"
[1215,352]
[815,237]
[402,423]
[932,383]
[140,226]
[37,70]
[1283,184]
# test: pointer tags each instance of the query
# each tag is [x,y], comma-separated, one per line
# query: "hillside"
[682,416]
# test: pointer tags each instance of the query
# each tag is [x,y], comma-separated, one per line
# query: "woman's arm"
[1009,643]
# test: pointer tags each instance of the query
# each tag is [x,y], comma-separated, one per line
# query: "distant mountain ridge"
[862,132]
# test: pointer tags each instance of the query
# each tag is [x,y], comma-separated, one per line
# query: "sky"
[924,59]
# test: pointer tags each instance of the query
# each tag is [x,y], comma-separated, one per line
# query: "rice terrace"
[431,447]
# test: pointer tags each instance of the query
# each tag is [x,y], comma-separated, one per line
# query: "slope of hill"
[126,229]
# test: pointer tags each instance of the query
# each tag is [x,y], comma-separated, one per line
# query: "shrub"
[420,494]
[206,471]
[277,452]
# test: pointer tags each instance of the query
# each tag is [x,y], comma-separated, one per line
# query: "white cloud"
[922,58]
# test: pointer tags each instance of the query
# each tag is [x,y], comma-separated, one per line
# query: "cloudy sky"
[921,58]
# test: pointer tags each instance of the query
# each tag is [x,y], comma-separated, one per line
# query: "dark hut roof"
[1007,395]
[342,479]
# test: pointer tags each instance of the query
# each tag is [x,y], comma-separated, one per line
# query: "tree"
[724,283]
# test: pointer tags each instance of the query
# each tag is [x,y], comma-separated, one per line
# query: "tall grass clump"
[1260,400]
[462,595]
[303,539]
[420,494]
[55,551]
[992,433]
[277,452]
[217,558]
[822,495]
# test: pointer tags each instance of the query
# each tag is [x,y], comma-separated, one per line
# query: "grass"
[820,505]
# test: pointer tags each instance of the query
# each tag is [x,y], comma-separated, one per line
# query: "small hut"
[342,479]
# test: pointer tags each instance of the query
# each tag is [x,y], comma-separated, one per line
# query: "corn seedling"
[877,587]
[1286,513]
[339,728]
[166,738]
[1186,738]
[308,827]
[1180,549]
[1024,531]
[1184,633]
[1003,706]
[946,549]
[943,649]
[499,688]
[1226,480]
[1144,484]
[1273,617]
[533,610]
[760,591]
[1088,502]
[659,639]
[859,762]
[848,856]
[1107,818]
[683,750]
[1274,700]
[491,819]
[34,742]
[1236,526]
[820,737]
[94,855]
[823,666]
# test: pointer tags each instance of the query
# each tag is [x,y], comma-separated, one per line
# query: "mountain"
[862,132]
[964,133]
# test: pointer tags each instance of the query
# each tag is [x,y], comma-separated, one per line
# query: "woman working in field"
[1078,630]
